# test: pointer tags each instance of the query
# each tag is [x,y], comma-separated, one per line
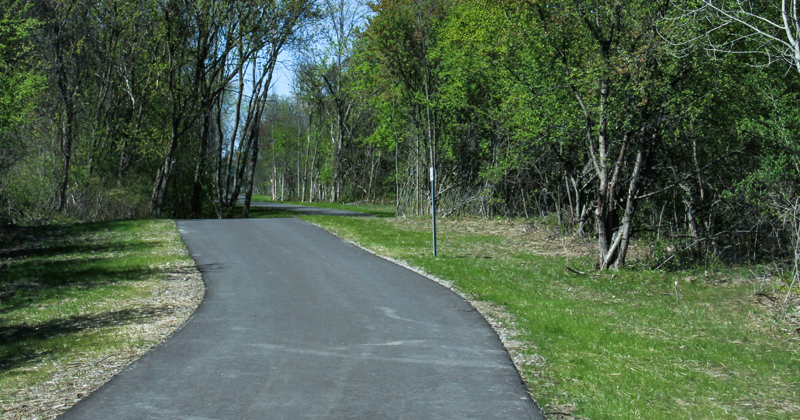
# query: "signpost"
[433,208]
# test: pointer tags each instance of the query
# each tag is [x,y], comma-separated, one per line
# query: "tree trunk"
[197,186]
[251,173]
[633,189]
[165,171]
[66,153]
[222,189]
[274,180]
[67,127]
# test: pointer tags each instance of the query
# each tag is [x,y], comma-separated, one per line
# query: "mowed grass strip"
[608,345]
[79,302]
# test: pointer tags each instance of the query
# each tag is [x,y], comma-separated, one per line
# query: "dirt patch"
[517,235]
[784,312]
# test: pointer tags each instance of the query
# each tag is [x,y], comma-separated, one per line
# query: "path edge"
[500,321]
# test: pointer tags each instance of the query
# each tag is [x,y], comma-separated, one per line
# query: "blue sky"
[283,76]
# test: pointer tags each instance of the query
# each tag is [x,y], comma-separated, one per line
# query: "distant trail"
[298,324]
[320,211]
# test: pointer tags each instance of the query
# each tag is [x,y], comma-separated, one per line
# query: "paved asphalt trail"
[298,324]
[321,211]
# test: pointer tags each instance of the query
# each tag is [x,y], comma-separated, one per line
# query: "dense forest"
[671,121]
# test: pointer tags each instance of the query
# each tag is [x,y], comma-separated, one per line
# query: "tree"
[763,28]
[66,28]
[609,58]
[400,40]
[325,79]
[250,35]
[771,31]
[578,107]
[19,81]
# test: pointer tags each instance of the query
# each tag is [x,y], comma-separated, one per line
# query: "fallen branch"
[576,271]
[766,295]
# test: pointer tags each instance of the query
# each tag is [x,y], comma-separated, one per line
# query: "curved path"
[310,210]
[298,324]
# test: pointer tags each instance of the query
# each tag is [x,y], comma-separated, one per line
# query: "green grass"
[612,345]
[75,291]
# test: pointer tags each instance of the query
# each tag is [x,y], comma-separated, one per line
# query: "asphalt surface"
[298,324]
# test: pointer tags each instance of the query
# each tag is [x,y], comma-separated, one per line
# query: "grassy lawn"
[608,345]
[87,298]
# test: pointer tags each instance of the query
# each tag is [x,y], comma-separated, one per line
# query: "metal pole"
[433,208]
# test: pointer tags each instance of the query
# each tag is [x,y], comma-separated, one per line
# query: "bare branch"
[775,37]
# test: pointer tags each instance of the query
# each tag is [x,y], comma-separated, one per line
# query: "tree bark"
[251,173]
[197,186]
[165,171]
[67,124]
[630,206]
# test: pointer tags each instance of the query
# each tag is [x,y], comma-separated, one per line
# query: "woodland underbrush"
[27,204]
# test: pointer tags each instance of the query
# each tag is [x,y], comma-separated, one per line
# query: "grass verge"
[609,345]
[80,302]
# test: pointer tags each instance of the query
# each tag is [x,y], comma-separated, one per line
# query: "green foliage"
[508,100]
[774,183]
[129,94]
[20,82]
[26,189]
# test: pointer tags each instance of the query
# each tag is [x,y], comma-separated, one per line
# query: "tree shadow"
[21,235]
[282,209]
[60,249]
[211,268]
[46,263]
[23,343]
[42,266]
[59,280]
